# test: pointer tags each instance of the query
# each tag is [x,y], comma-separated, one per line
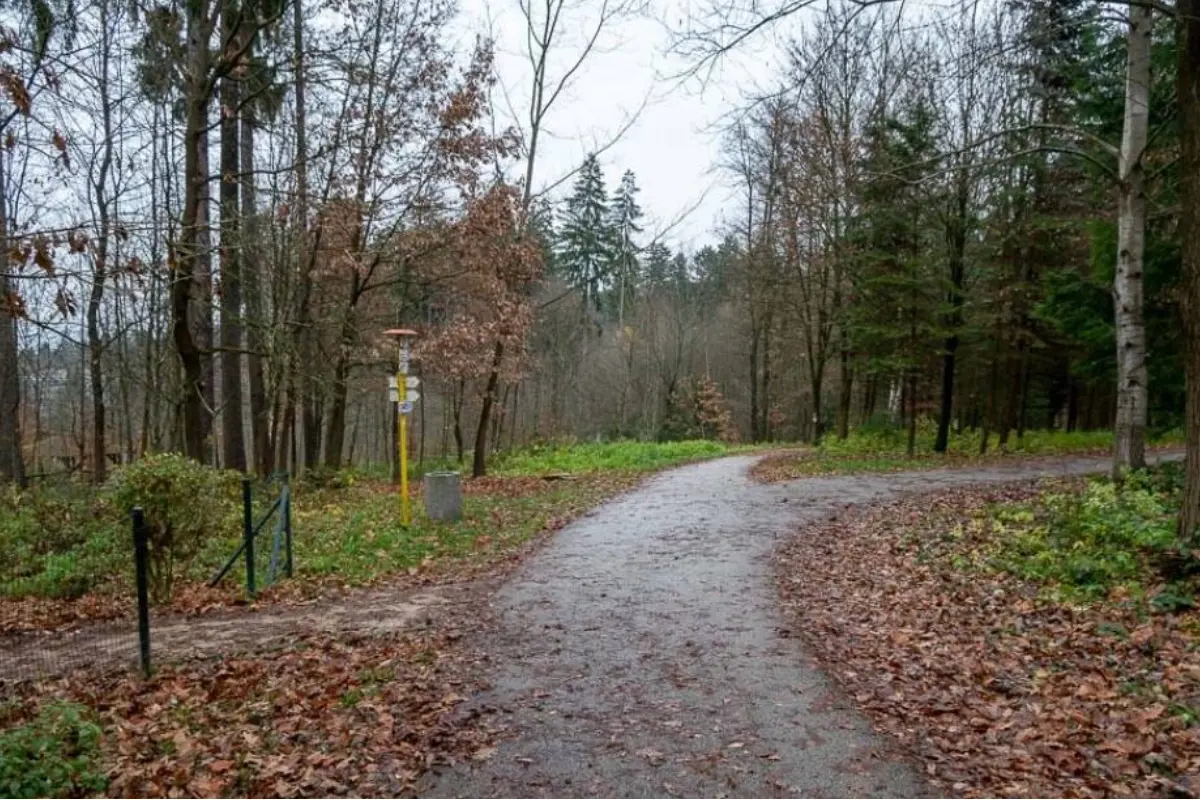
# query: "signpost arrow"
[412,381]
[412,396]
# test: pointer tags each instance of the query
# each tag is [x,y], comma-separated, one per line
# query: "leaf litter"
[999,690]
[327,716]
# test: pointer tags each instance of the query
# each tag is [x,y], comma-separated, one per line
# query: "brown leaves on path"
[1000,692]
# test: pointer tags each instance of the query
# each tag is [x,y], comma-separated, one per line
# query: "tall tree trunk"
[479,467]
[1188,99]
[12,461]
[516,418]
[1023,406]
[335,419]
[1011,391]
[202,297]
[817,377]
[755,434]
[846,393]
[260,420]
[305,392]
[912,415]
[957,240]
[421,437]
[353,433]
[188,334]
[869,395]
[498,419]
[949,356]
[1130,431]
[460,398]
[233,439]
[1072,405]
[285,453]
[764,398]
[100,267]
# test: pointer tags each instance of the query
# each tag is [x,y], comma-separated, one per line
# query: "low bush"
[55,754]
[186,504]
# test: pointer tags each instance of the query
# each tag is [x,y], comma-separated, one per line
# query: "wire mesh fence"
[78,582]
[65,605]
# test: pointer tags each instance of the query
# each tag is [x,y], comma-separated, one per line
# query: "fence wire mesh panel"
[67,584]
[69,581]
[264,553]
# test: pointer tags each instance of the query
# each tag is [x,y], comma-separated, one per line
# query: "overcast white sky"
[674,144]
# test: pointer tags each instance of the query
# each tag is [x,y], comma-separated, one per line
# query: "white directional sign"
[411,382]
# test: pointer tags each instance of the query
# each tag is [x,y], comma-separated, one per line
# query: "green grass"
[60,541]
[358,538]
[595,457]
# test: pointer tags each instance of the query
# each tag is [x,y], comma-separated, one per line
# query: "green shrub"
[185,504]
[56,754]
[1086,543]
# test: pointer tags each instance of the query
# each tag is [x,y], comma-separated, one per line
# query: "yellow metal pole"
[402,446]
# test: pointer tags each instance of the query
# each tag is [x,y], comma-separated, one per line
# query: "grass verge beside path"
[347,534]
[887,452]
[1036,640]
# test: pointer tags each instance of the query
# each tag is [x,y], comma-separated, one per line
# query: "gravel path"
[641,653]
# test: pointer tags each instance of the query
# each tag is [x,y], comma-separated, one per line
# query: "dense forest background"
[213,210]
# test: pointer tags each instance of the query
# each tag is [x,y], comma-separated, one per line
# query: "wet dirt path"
[641,652]
[113,645]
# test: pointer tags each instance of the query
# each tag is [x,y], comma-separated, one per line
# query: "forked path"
[641,653]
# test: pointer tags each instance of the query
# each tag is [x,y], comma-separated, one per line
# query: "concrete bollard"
[443,496]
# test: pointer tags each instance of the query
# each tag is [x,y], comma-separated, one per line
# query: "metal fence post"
[141,554]
[248,534]
[287,524]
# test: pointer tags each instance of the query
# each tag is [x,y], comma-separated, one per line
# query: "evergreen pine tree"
[658,265]
[586,239]
[542,228]
[626,216]
[896,287]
